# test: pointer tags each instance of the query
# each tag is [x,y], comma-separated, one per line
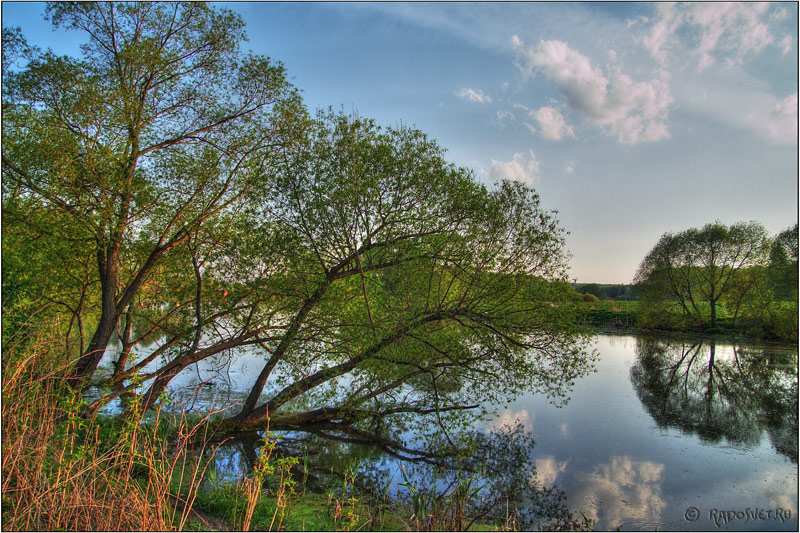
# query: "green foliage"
[602,291]
[140,147]
[782,270]
[268,472]
[720,279]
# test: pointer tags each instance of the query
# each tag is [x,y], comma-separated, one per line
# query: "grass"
[308,512]
[611,313]
[318,512]
[64,470]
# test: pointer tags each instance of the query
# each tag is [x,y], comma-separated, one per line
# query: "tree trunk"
[713,303]
[109,315]
[280,350]
[119,365]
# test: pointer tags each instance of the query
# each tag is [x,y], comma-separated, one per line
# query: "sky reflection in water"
[621,468]
[661,427]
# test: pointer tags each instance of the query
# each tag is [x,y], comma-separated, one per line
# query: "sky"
[630,120]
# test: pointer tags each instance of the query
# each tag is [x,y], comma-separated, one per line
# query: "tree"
[783,264]
[159,129]
[593,289]
[698,266]
[379,281]
[405,272]
[766,296]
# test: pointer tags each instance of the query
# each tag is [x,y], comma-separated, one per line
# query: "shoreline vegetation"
[608,316]
[733,281]
[63,470]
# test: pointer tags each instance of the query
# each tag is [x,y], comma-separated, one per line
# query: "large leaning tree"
[689,274]
[212,215]
[412,289]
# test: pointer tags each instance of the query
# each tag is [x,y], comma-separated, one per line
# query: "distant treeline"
[604,291]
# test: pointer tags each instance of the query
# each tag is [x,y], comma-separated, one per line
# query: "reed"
[66,470]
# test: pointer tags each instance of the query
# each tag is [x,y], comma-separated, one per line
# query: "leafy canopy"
[209,213]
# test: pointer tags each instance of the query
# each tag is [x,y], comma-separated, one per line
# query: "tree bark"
[119,365]
[713,303]
[109,315]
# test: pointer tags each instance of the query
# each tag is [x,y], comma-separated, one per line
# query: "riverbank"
[103,475]
[63,470]
[609,316]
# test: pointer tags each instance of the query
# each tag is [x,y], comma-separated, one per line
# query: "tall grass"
[267,469]
[64,470]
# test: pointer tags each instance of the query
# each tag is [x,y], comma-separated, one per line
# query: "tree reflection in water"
[496,466]
[716,392]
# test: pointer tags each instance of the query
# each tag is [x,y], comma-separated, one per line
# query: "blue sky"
[629,119]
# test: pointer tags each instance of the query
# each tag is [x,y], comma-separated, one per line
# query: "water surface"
[667,434]
[642,465]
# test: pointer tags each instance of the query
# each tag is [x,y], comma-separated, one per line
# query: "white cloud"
[667,22]
[631,111]
[732,99]
[570,168]
[547,471]
[732,27]
[703,45]
[783,120]
[727,29]
[638,483]
[641,19]
[521,168]
[509,418]
[780,14]
[552,123]
[503,116]
[786,44]
[474,96]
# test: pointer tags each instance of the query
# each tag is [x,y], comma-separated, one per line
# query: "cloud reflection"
[509,418]
[547,471]
[621,490]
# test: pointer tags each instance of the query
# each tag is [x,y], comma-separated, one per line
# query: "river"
[633,451]
[667,434]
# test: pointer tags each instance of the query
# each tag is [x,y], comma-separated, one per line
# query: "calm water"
[636,451]
[667,434]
